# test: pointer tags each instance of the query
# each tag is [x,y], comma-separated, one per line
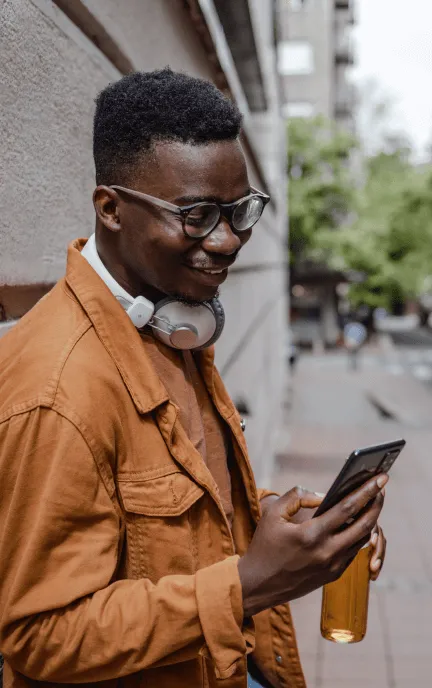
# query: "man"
[130,552]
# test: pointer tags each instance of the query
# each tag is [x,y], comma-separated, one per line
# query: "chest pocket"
[160,536]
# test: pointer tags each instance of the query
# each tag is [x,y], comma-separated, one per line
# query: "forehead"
[177,169]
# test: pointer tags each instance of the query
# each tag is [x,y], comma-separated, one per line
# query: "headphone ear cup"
[207,320]
[219,315]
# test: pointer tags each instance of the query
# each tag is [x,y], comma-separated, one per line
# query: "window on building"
[298,109]
[295,5]
[295,58]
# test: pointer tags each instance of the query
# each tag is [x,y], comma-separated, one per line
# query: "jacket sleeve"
[62,619]
[275,661]
[275,655]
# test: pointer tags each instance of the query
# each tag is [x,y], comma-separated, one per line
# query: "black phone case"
[362,465]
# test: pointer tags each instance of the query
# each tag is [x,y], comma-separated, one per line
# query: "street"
[412,352]
[334,410]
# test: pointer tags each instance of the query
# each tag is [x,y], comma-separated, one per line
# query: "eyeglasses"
[199,219]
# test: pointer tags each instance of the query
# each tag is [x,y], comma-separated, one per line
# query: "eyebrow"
[189,200]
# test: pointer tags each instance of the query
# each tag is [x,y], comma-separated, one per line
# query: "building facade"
[55,56]
[315,55]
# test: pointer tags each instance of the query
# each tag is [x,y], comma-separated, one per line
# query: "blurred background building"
[55,56]
[315,56]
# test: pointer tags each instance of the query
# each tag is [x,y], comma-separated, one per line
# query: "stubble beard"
[187,301]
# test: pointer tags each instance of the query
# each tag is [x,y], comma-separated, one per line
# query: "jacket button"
[279,659]
[243,424]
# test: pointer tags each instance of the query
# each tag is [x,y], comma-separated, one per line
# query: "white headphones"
[175,323]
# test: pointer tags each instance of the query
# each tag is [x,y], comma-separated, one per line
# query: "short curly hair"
[145,107]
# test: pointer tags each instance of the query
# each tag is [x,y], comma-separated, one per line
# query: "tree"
[391,238]
[320,191]
[381,227]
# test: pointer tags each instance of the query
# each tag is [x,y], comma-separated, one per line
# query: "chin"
[194,300]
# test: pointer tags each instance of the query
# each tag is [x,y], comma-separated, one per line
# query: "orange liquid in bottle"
[345,602]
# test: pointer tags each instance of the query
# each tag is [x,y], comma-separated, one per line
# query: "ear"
[105,201]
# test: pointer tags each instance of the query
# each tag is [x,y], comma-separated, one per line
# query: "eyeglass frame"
[184,210]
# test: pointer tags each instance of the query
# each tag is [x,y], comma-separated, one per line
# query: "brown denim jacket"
[117,563]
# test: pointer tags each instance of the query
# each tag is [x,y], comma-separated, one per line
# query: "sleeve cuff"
[220,609]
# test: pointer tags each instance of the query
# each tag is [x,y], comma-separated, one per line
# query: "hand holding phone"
[286,560]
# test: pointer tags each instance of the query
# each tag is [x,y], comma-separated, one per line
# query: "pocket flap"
[166,491]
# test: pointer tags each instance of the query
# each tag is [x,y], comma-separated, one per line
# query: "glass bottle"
[344,608]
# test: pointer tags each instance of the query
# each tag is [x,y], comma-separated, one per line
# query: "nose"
[222,240]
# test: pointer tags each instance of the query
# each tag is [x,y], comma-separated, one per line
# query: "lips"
[213,269]
[207,271]
[209,276]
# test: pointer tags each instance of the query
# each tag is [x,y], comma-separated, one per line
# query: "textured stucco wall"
[50,76]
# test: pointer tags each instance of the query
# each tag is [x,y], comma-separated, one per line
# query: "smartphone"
[362,465]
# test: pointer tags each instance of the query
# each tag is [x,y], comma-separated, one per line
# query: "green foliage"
[321,193]
[381,227]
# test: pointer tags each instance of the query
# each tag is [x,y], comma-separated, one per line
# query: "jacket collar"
[120,337]
[115,330]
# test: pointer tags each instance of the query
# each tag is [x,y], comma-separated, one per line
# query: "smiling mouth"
[209,276]
[207,271]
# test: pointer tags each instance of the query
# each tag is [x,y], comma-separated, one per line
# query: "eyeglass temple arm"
[150,199]
[261,193]
[166,204]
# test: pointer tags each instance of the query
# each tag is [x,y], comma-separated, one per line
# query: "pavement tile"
[411,647]
[310,672]
[371,646]
[353,683]
[413,669]
[337,668]
[331,415]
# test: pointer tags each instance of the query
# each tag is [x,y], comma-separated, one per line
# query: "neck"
[108,254]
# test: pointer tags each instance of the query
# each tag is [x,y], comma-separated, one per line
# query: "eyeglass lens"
[203,218]
[247,213]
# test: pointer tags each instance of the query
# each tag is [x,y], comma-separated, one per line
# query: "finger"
[377,558]
[291,502]
[352,552]
[385,548]
[361,543]
[362,527]
[351,505]
[377,544]
[375,569]
[348,555]
[316,496]
[267,501]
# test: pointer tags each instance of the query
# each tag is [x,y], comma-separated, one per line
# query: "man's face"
[151,254]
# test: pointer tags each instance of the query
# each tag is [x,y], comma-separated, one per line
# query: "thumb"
[298,498]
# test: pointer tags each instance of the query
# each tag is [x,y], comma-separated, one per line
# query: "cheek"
[168,236]
[244,238]
[167,243]
[151,238]
[158,254]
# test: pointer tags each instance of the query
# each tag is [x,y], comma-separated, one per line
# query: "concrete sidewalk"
[333,411]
